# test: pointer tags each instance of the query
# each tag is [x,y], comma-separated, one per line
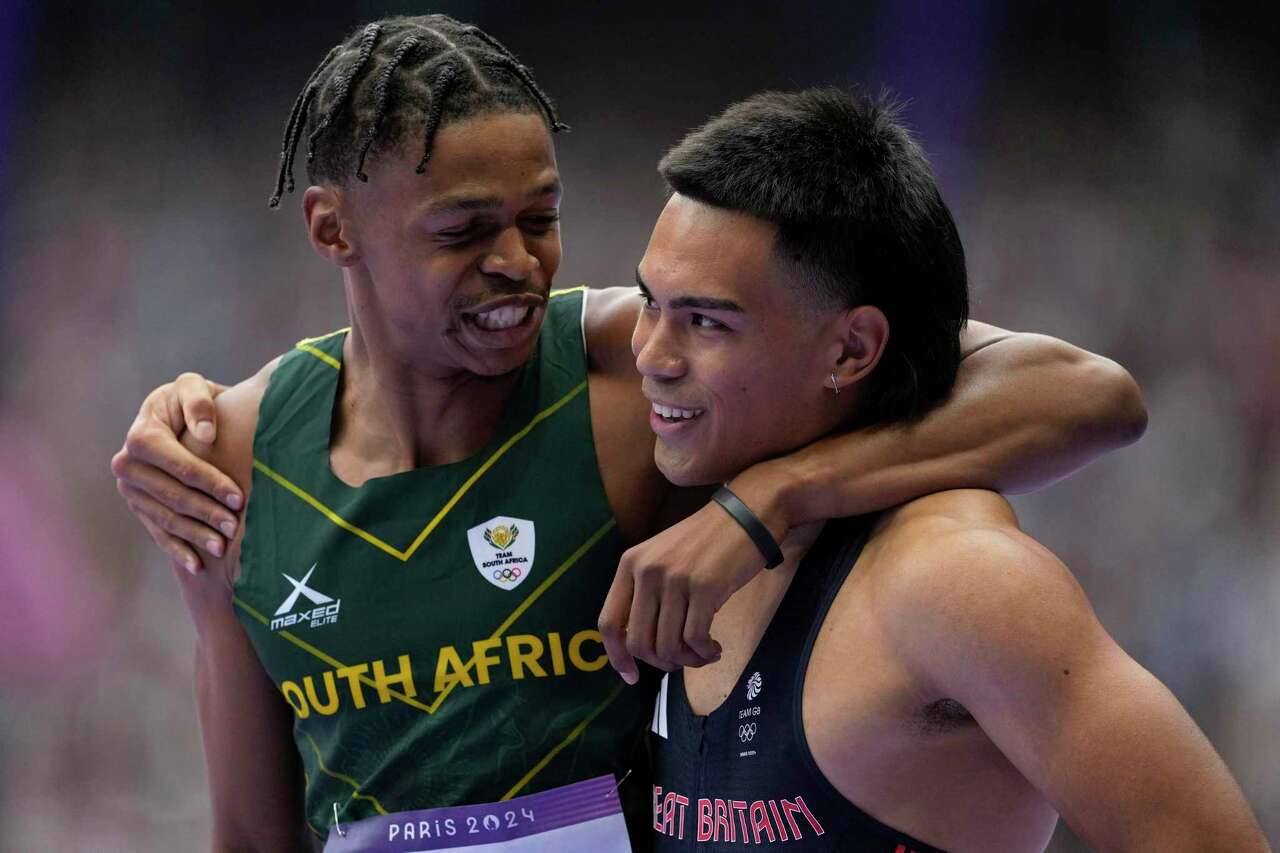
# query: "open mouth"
[673,414]
[499,319]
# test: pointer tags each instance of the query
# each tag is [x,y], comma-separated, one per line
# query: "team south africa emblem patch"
[502,549]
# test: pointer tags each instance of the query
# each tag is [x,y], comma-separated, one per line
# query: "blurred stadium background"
[1113,169]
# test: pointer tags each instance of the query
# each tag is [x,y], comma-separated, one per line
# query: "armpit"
[942,717]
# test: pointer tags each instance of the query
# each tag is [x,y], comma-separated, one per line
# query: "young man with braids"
[926,678]
[441,494]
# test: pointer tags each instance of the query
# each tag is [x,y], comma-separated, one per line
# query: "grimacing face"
[735,366]
[453,267]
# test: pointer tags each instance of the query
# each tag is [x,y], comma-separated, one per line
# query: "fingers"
[697,628]
[669,647]
[195,399]
[205,513]
[613,626]
[153,442]
[173,524]
[181,555]
[642,623]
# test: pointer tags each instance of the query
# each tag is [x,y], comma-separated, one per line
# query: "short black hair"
[396,75]
[860,221]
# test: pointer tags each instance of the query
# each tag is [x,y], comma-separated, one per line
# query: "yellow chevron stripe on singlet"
[497,633]
[358,789]
[528,777]
[342,777]
[569,738]
[404,555]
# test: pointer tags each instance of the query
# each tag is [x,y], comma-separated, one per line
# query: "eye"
[460,233]
[647,300]
[702,321]
[542,223]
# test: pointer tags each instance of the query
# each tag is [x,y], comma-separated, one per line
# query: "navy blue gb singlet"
[743,775]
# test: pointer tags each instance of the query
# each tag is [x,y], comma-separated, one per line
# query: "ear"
[865,333]
[328,225]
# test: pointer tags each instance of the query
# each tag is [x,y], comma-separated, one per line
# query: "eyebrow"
[707,303]
[466,203]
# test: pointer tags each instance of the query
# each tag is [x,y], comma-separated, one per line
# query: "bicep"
[1093,731]
[1118,756]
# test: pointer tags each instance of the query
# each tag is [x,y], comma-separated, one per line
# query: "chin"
[495,367]
[684,472]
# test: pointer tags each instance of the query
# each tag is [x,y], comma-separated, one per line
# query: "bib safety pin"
[615,788]
[338,826]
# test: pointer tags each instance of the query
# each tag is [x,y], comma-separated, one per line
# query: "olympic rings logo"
[746,732]
[506,574]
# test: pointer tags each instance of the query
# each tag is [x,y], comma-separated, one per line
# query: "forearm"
[1025,411]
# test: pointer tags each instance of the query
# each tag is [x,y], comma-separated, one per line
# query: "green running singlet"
[435,630]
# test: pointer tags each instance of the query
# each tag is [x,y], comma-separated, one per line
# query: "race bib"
[585,817]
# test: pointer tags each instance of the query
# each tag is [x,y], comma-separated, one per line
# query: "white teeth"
[671,413]
[502,318]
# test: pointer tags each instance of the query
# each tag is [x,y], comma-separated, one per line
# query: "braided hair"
[396,75]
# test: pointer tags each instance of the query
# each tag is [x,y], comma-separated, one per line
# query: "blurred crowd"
[1114,171]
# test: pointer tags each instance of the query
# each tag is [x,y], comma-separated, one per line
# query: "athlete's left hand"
[669,588]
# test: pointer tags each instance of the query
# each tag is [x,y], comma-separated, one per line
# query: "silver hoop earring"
[834,386]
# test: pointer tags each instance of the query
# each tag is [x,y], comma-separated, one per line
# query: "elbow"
[1119,416]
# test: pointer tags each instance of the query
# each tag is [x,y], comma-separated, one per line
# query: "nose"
[509,257]
[656,349]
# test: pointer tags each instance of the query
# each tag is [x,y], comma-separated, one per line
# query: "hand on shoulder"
[237,418]
[208,593]
[185,503]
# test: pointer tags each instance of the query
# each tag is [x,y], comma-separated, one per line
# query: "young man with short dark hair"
[922,679]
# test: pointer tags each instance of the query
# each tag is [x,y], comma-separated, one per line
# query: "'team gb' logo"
[502,549]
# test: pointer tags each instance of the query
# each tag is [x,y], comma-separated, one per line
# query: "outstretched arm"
[1026,410]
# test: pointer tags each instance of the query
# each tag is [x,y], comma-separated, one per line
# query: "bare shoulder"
[939,550]
[609,319]
[232,452]
[237,409]
[957,580]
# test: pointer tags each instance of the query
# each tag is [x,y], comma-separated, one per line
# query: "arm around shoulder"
[1065,405]
[1026,410]
[998,624]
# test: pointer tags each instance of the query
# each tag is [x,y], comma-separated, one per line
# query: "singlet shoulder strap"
[299,399]
[818,578]
[563,340]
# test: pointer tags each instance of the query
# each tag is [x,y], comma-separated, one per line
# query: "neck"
[394,415]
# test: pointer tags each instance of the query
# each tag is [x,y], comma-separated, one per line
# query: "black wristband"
[755,528]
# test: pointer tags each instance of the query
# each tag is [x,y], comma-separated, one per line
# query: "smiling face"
[451,269]
[735,363]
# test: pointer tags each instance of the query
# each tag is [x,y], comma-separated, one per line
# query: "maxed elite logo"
[502,549]
[325,611]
